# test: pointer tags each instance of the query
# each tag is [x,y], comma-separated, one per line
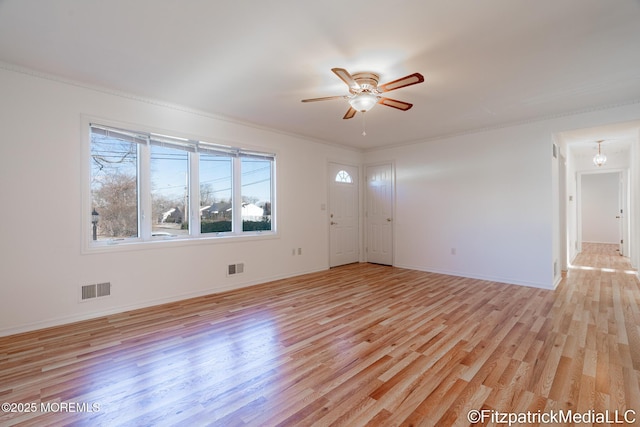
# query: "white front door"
[379,214]
[343,214]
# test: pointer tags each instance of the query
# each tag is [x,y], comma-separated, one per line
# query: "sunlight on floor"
[605,270]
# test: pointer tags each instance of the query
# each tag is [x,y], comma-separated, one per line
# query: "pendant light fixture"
[599,159]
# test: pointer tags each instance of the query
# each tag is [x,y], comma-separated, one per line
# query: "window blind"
[177,143]
[124,135]
[172,142]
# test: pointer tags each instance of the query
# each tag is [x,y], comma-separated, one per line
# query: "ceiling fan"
[365,91]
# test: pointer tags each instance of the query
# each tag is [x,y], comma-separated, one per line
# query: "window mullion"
[273,195]
[237,195]
[194,194]
[144,172]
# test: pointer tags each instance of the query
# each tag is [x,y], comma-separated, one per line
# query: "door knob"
[388,219]
[333,223]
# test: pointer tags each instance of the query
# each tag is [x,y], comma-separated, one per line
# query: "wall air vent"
[88,292]
[96,290]
[233,269]
[103,289]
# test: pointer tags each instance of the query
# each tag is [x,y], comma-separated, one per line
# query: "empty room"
[288,213]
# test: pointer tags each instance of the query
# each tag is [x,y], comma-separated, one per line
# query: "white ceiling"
[486,63]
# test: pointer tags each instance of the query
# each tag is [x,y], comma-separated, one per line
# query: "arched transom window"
[343,176]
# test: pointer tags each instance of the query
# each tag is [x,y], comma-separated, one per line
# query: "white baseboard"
[59,321]
[498,279]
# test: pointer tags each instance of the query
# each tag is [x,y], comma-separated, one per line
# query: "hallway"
[600,326]
[601,255]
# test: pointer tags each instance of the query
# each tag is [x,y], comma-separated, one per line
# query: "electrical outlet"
[453,251]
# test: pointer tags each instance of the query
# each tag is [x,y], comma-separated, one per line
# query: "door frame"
[365,184]
[623,203]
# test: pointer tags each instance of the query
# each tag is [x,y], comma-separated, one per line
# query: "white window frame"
[145,219]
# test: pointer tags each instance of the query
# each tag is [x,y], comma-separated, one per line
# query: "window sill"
[106,246]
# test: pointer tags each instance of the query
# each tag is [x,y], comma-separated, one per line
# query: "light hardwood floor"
[357,345]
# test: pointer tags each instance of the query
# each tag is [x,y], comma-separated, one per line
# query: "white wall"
[40,182]
[485,194]
[599,204]
[491,195]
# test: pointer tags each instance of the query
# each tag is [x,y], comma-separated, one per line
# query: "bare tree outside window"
[114,189]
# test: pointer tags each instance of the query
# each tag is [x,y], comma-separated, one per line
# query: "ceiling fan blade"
[346,77]
[409,80]
[350,113]
[400,105]
[326,98]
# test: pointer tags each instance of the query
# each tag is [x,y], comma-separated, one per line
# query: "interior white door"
[379,214]
[343,214]
[600,207]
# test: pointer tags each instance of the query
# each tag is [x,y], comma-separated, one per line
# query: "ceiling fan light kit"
[363,102]
[365,92]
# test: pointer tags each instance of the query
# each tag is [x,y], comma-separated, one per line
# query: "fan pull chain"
[364,132]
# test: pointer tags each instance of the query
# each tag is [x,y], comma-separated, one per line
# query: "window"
[256,193]
[216,177]
[344,177]
[190,188]
[169,172]
[114,183]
